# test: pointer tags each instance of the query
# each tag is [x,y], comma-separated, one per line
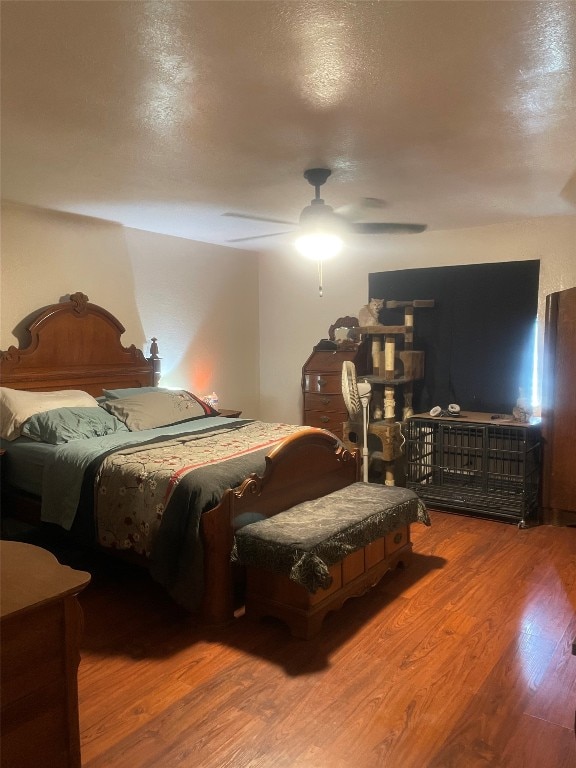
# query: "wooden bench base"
[272,594]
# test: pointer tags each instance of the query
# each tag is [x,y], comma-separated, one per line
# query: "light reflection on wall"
[536,370]
[201,303]
[529,376]
[201,373]
[196,374]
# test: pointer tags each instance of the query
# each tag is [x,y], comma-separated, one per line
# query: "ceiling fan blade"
[258,218]
[352,211]
[383,228]
[257,237]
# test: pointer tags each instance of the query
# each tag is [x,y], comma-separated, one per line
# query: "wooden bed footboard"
[307,465]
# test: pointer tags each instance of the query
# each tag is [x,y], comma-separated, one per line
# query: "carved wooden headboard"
[75,345]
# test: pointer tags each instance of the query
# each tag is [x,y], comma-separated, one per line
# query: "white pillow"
[17,405]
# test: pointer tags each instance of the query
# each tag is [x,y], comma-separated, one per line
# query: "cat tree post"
[376,351]
[408,410]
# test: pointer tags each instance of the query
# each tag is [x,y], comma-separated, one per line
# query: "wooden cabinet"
[559,409]
[322,386]
[41,623]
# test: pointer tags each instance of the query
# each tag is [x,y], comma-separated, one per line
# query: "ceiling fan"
[318,214]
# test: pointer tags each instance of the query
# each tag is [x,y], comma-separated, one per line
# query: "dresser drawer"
[317,402]
[323,383]
[330,420]
[32,652]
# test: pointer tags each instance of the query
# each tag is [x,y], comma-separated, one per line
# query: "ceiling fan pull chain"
[320,278]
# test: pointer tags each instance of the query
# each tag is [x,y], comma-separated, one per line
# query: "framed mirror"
[344,332]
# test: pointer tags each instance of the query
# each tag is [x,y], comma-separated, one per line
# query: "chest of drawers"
[40,622]
[323,404]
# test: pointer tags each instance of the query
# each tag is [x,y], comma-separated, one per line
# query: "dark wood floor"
[462,660]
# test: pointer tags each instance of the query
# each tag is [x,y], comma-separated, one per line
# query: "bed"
[130,468]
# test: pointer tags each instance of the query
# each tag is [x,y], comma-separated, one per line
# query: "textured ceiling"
[165,115]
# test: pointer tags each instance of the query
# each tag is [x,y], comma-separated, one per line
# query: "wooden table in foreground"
[41,623]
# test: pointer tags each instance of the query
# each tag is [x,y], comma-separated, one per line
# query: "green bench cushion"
[304,541]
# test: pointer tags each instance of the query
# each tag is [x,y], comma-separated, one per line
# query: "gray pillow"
[113,394]
[61,425]
[157,409]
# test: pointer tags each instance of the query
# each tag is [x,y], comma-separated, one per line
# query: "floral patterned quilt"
[149,498]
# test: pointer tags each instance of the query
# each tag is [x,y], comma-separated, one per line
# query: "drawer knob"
[325,401]
[397,538]
[324,419]
[321,381]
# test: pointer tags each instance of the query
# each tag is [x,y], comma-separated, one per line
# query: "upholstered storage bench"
[306,561]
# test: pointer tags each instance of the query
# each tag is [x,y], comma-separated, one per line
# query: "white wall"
[205,303]
[293,318]
[201,301]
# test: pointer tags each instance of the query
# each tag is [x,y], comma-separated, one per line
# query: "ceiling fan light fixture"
[319,246]
[321,231]
[318,213]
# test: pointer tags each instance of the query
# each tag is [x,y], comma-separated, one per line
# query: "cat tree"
[391,369]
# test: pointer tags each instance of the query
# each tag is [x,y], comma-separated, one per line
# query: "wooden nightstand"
[228,413]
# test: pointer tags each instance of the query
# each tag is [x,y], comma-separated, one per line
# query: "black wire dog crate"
[475,464]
